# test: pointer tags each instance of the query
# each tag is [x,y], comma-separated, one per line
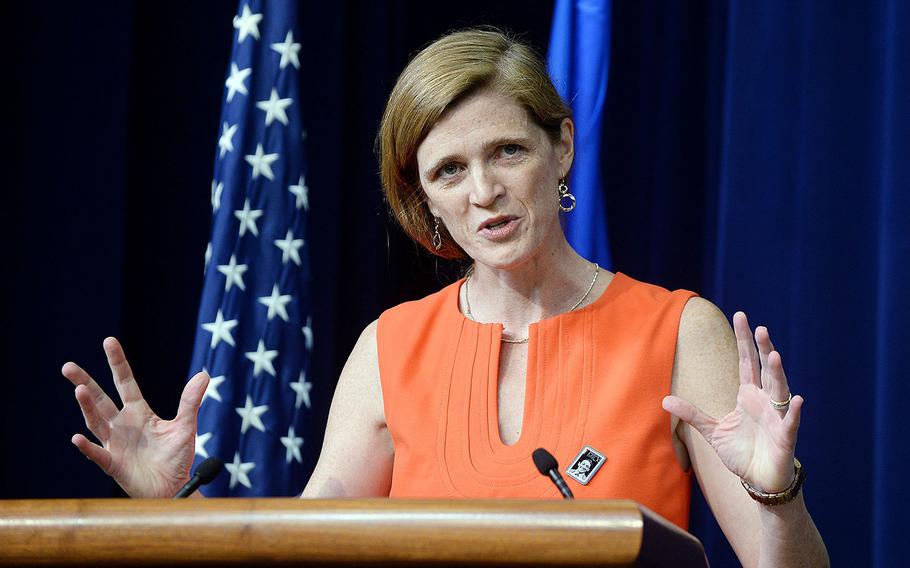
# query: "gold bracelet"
[784,496]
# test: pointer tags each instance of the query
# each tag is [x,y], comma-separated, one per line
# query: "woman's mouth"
[499,228]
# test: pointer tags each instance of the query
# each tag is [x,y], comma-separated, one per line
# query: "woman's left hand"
[756,441]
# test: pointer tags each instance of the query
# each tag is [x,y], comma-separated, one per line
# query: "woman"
[448,396]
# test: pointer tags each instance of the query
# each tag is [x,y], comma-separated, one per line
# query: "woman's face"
[490,174]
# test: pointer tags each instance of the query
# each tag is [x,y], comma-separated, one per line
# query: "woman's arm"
[151,457]
[719,374]
[357,453]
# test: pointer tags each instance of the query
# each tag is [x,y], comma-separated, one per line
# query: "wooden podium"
[373,532]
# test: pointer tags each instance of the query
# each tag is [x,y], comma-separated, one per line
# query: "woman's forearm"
[789,537]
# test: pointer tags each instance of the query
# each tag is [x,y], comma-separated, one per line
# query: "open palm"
[147,456]
[755,440]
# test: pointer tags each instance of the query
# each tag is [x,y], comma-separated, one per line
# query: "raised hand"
[147,456]
[756,440]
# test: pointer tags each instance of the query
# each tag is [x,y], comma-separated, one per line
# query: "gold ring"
[780,405]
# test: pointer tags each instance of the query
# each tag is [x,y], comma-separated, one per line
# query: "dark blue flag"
[254,336]
[579,63]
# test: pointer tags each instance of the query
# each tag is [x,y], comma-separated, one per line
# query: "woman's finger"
[749,369]
[94,452]
[191,399]
[93,420]
[778,389]
[103,403]
[120,368]
[690,414]
[763,339]
[791,420]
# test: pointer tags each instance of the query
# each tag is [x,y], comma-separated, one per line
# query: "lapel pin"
[585,465]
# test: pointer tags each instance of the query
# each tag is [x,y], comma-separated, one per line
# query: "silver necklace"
[467,304]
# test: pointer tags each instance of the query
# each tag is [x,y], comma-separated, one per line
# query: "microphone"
[546,465]
[207,471]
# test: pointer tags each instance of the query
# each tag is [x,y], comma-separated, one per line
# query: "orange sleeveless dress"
[596,376]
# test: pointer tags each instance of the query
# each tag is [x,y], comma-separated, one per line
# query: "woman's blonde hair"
[444,72]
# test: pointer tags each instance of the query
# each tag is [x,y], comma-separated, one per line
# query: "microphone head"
[544,461]
[209,470]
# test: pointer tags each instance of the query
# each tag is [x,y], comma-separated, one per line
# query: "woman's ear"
[565,148]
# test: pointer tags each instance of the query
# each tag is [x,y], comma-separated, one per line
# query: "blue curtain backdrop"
[754,152]
[758,153]
[813,238]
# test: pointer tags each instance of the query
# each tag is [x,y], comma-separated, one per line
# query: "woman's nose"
[487,189]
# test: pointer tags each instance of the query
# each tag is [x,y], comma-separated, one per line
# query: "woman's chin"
[502,256]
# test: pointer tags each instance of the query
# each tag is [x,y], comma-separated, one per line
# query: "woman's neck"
[548,284]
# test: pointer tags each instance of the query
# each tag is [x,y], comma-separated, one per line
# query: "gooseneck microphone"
[204,474]
[546,465]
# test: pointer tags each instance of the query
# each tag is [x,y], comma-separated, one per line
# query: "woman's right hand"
[147,456]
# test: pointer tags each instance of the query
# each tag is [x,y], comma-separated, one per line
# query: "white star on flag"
[288,51]
[247,24]
[233,273]
[201,440]
[308,333]
[261,162]
[208,257]
[276,304]
[235,83]
[302,193]
[290,248]
[221,330]
[302,388]
[217,188]
[211,391]
[238,471]
[226,141]
[292,442]
[274,108]
[262,359]
[248,218]
[250,415]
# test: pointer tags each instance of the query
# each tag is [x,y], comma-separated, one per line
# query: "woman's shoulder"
[429,304]
[640,290]
[701,320]
[636,300]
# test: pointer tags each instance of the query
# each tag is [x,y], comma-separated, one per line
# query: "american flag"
[254,334]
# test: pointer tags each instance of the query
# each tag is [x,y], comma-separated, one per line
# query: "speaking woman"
[537,347]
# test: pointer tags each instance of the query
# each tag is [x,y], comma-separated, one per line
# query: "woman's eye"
[448,170]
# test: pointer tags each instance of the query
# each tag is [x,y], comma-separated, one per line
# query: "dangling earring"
[566,199]
[437,239]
